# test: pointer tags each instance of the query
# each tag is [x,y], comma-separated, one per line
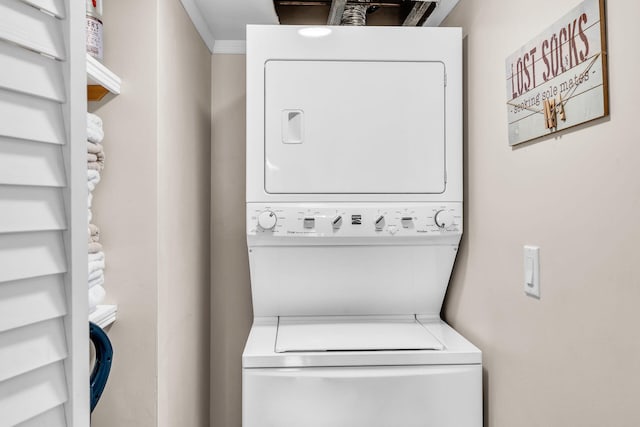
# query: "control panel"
[353,220]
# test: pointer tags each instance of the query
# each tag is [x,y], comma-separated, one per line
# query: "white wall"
[573,357]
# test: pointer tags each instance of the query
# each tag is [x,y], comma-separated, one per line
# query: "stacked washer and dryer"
[354,216]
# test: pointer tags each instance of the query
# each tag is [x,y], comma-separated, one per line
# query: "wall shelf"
[104,315]
[100,80]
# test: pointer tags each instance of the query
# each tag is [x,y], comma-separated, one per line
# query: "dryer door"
[354,127]
[402,396]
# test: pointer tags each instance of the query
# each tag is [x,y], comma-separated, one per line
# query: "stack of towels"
[95,164]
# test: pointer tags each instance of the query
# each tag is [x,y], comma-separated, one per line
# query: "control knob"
[444,218]
[379,223]
[267,220]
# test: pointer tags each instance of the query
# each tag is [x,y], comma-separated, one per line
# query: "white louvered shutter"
[43,216]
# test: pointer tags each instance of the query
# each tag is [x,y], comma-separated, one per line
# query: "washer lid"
[296,334]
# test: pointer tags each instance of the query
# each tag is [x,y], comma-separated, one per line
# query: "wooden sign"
[559,79]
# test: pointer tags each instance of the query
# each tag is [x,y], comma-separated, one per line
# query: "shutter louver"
[37,336]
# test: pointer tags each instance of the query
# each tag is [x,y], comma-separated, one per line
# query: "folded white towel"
[95,133]
[96,296]
[94,120]
[98,256]
[96,278]
[93,177]
[94,267]
[95,275]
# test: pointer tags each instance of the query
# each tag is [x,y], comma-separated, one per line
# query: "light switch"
[532,271]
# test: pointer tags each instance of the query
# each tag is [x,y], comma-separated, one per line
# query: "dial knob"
[267,220]
[444,218]
[336,222]
[380,222]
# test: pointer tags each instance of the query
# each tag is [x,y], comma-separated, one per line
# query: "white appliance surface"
[354,216]
[356,115]
[354,127]
[354,333]
[391,396]
[384,388]
[260,350]
[349,280]
[377,259]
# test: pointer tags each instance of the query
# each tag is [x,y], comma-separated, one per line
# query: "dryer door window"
[335,127]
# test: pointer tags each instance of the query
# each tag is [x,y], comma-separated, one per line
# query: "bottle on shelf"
[94,28]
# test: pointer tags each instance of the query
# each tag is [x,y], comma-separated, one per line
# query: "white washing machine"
[354,216]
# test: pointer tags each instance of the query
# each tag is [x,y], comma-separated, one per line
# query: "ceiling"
[221,23]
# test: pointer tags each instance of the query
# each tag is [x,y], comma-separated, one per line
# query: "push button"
[309,222]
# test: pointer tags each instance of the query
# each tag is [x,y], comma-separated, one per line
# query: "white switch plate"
[532,271]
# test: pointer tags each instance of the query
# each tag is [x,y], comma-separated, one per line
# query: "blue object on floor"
[102,367]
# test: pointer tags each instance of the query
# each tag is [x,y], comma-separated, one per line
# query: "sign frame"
[559,79]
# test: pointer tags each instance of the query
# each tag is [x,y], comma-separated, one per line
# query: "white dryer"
[354,216]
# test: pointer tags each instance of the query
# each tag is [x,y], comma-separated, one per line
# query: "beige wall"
[184,191]
[571,358]
[231,310]
[125,208]
[153,209]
